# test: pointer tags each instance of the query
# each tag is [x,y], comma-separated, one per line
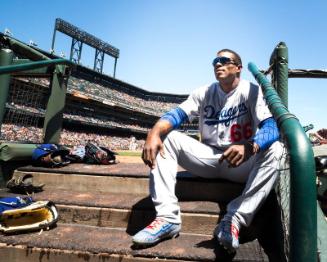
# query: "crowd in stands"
[112,96]
[15,133]
[10,132]
[104,121]
[105,94]
[13,106]
[113,142]
[319,137]
[99,92]
[101,121]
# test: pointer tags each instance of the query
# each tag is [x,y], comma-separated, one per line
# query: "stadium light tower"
[80,37]
[76,51]
[98,60]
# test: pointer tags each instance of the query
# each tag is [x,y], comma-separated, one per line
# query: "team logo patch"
[225,116]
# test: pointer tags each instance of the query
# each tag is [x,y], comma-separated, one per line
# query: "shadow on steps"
[266,227]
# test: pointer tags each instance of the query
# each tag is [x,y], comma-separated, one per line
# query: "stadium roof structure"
[80,69]
[130,88]
[79,37]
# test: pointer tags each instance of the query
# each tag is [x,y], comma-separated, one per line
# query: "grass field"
[130,153]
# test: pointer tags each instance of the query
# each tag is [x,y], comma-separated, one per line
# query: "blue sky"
[168,45]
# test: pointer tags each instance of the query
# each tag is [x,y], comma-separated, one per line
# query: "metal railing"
[303,196]
[33,65]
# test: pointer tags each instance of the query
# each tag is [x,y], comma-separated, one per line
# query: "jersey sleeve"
[259,107]
[191,106]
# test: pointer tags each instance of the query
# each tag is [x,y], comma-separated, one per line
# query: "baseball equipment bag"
[50,155]
[77,154]
[22,214]
[99,155]
[23,184]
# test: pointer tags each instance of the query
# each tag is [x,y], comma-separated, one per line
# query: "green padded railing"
[303,195]
[32,65]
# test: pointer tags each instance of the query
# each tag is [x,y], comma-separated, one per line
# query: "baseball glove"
[99,155]
[23,184]
[39,215]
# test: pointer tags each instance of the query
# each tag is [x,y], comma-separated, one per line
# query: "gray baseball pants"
[259,173]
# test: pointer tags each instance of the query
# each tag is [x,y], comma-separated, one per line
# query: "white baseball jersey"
[226,118]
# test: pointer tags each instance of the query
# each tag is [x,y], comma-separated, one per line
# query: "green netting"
[25,108]
[283,194]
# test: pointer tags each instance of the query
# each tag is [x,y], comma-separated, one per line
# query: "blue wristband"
[175,117]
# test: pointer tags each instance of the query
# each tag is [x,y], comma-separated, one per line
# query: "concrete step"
[132,212]
[129,211]
[87,243]
[128,178]
[116,198]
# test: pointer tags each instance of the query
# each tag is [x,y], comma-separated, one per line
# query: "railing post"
[6,57]
[303,195]
[282,72]
[55,107]
[279,59]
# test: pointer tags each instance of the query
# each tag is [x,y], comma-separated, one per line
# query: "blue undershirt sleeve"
[268,133]
[175,116]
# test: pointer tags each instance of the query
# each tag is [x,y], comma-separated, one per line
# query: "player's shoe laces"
[158,230]
[227,234]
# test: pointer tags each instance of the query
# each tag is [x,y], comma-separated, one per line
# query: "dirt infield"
[129,159]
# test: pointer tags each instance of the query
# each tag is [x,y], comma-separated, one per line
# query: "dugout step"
[199,217]
[129,211]
[124,210]
[85,208]
[128,178]
[87,243]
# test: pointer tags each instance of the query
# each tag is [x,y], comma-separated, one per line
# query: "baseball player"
[239,142]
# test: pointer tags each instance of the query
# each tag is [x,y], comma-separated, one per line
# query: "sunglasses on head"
[223,60]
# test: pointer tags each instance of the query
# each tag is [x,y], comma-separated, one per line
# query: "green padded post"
[303,206]
[279,62]
[55,107]
[6,57]
[16,151]
[282,72]
[322,236]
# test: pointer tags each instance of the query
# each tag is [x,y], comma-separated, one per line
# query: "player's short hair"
[237,57]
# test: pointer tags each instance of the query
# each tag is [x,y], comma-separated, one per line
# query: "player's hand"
[235,155]
[153,145]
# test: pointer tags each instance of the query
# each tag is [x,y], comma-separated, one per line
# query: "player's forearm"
[161,128]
